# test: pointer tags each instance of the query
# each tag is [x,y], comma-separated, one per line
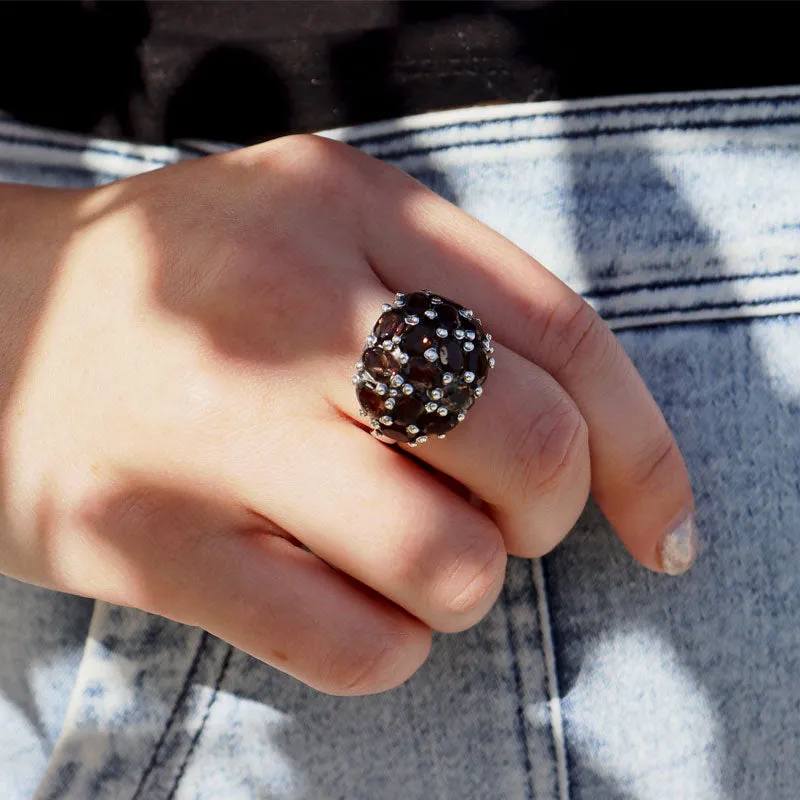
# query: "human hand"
[180,433]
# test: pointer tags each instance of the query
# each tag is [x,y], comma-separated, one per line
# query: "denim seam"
[179,701]
[657,285]
[522,731]
[554,700]
[788,99]
[590,133]
[196,739]
[646,312]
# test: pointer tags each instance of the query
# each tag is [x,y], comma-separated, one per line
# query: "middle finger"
[523,448]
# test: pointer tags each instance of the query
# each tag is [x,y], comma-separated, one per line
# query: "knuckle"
[547,449]
[354,669]
[323,168]
[473,579]
[577,339]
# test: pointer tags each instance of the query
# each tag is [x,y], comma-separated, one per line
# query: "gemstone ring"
[423,367]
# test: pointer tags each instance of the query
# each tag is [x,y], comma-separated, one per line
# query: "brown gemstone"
[422,373]
[433,424]
[395,432]
[452,356]
[370,400]
[447,316]
[417,303]
[478,362]
[407,409]
[420,338]
[379,363]
[457,397]
[389,324]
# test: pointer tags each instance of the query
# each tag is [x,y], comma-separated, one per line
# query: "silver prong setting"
[431,354]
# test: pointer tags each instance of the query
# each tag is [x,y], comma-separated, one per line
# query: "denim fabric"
[678,217]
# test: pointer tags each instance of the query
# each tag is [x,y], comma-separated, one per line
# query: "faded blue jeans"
[678,218]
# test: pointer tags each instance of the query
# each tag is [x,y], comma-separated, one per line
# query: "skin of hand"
[180,433]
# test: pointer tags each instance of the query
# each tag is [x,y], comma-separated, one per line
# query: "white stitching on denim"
[554,701]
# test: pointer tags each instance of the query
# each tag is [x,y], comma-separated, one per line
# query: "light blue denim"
[678,217]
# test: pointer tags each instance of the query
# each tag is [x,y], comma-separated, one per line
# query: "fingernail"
[678,546]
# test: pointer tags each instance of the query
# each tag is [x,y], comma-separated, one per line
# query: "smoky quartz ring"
[422,369]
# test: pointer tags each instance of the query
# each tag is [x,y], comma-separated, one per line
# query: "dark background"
[247,71]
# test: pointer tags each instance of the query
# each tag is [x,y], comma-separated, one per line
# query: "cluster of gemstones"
[423,366]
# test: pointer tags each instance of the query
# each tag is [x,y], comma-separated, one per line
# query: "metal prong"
[478,391]
[441,333]
[430,313]
[436,300]
[381,388]
[468,346]
[447,378]
[431,354]
[441,411]
[402,357]
[386,420]
[412,430]
[471,335]
[421,439]
[408,388]
[388,403]
[469,376]
[436,394]
[361,412]
[386,307]
[371,340]
[396,381]
[491,363]
[412,319]
[458,333]
[441,436]
[461,416]
[431,407]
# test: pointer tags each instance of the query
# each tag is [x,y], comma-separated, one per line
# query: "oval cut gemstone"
[416,303]
[447,316]
[433,424]
[407,410]
[478,362]
[457,397]
[370,400]
[396,433]
[379,363]
[389,324]
[422,373]
[452,356]
[420,338]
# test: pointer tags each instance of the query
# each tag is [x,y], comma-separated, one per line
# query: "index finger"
[415,239]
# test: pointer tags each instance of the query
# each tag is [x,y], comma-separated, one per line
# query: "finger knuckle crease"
[355,671]
[548,444]
[658,458]
[476,573]
[578,340]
